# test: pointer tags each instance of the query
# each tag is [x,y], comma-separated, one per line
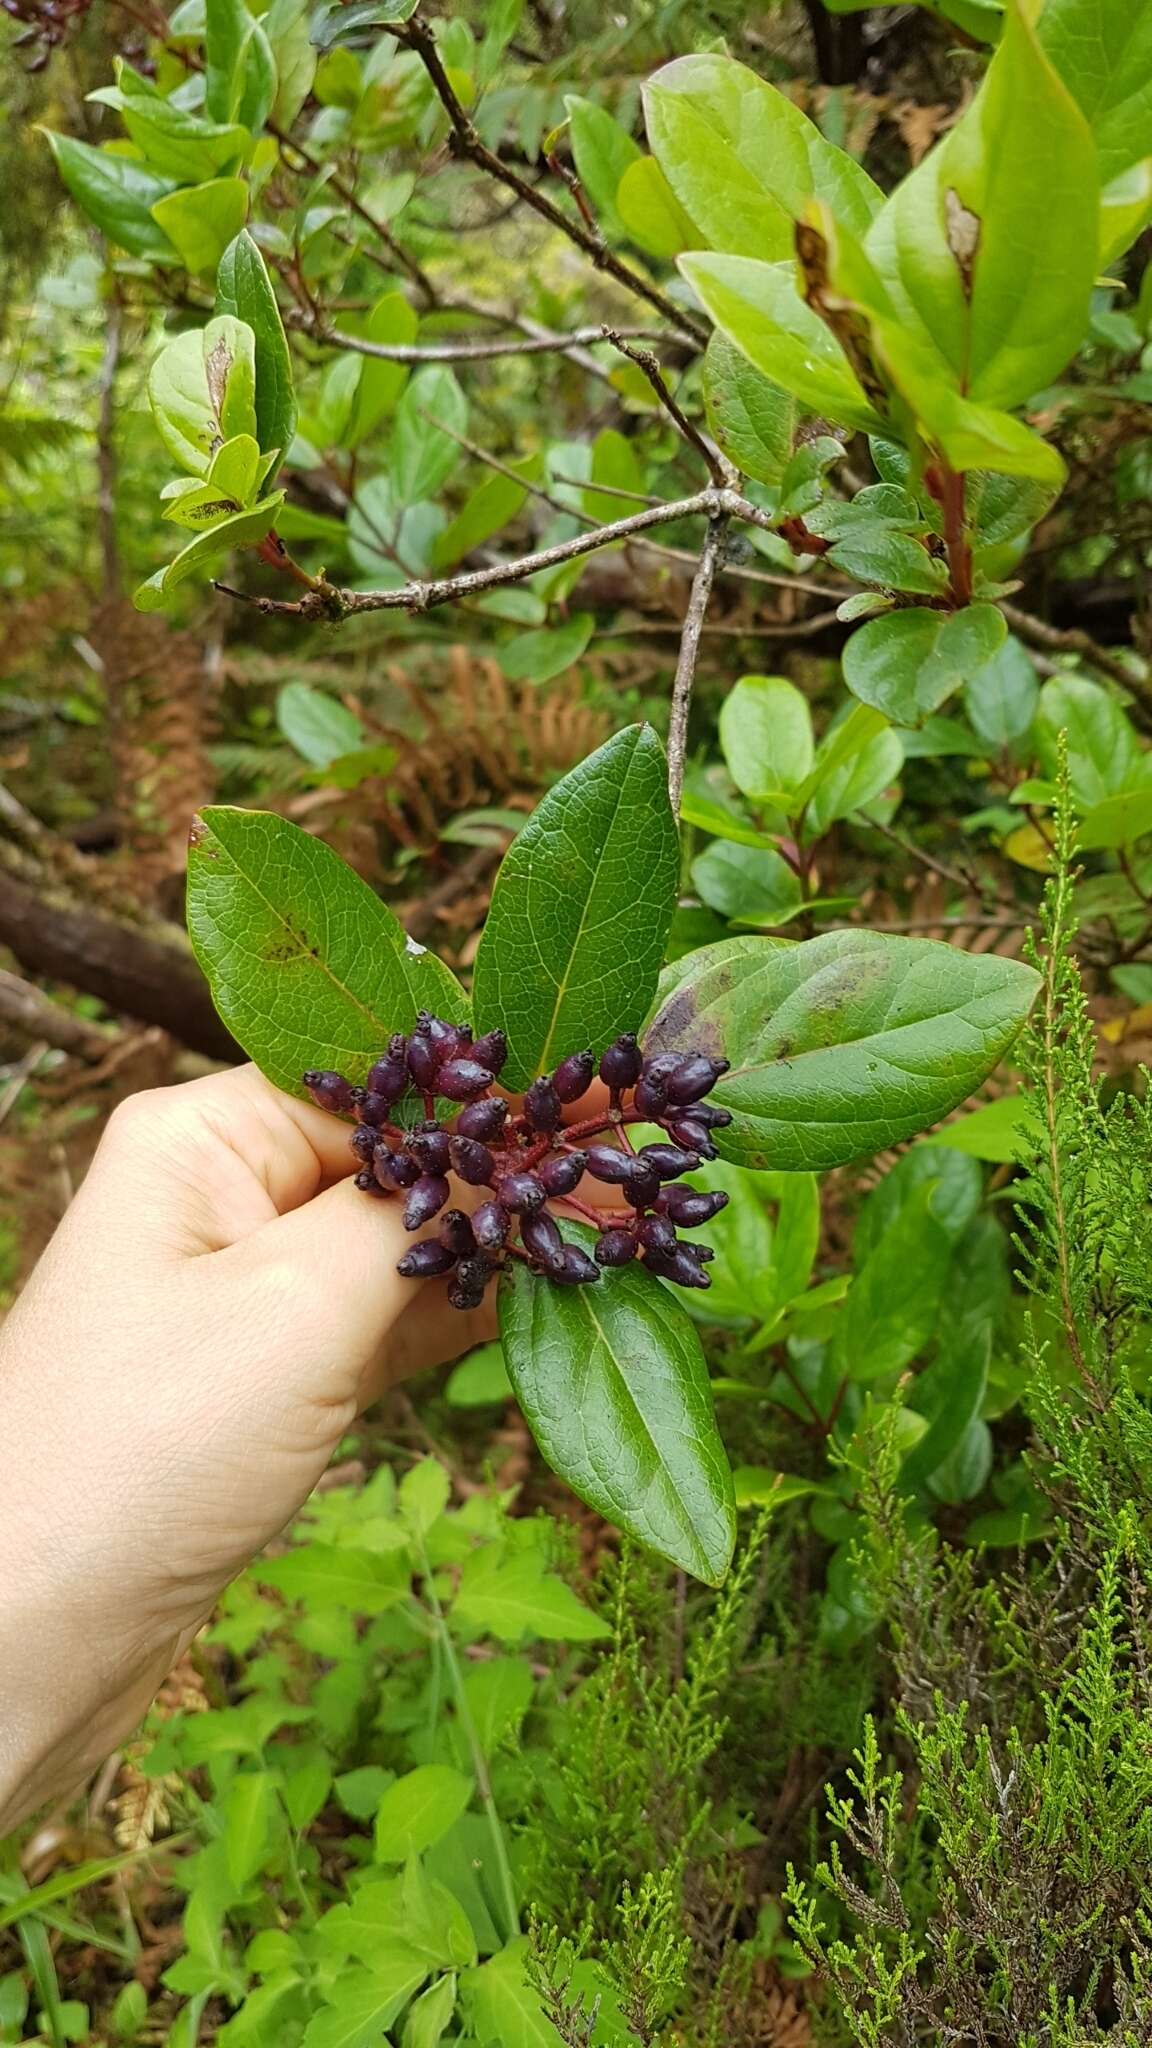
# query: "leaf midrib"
[563,985]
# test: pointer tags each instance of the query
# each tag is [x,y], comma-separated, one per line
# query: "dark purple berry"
[615,1247]
[467,1290]
[679,1266]
[694,1076]
[541,1236]
[522,1192]
[620,1065]
[643,1185]
[694,1136]
[573,1268]
[329,1091]
[388,1077]
[366,1181]
[490,1226]
[573,1077]
[445,1039]
[460,1079]
[656,1234]
[711,1116]
[491,1051]
[484,1120]
[689,1209]
[542,1105]
[650,1098]
[563,1173]
[425,1259]
[376,1110]
[426,1198]
[430,1146]
[472,1161]
[395,1169]
[608,1163]
[363,1142]
[423,1061]
[668,1161]
[454,1231]
[660,1066]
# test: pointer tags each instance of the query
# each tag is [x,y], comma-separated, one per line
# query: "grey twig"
[419,37]
[719,469]
[466,350]
[711,556]
[331,602]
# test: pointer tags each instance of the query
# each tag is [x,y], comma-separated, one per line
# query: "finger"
[191,1169]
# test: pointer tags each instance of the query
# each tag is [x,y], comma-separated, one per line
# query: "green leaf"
[410,1909]
[758,307]
[505,2011]
[898,1290]
[748,884]
[422,455]
[239,69]
[749,418]
[286,25]
[896,561]
[855,762]
[602,151]
[613,1383]
[1102,50]
[177,144]
[613,463]
[116,194]
[762,1260]
[537,656]
[339,20]
[845,1044]
[757,1486]
[430,2014]
[202,391]
[364,2002]
[1001,697]
[516,1598]
[417,1809]
[479,1380]
[995,1132]
[307,966]
[499,1695]
[650,213]
[322,1575]
[989,248]
[575,935]
[1104,755]
[320,727]
[487,511]
[241,530]
[743,160]
[250,1806]
[201,220]
[766,737]
[244,289]
[908,663]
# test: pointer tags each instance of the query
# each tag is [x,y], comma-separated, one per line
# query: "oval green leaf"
[307,967]
[844,1044]
[580,912]
[613,1382]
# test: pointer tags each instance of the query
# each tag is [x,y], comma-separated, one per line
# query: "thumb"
[358,1325]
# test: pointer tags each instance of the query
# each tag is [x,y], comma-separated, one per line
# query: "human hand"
[217,1306]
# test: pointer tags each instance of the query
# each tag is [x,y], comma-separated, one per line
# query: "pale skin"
[214,1311]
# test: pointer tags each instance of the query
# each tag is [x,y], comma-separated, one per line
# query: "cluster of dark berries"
[534,1157]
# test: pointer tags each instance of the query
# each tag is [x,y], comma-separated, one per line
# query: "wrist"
[77,1669]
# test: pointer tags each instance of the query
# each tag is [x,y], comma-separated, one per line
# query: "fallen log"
[131,968]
